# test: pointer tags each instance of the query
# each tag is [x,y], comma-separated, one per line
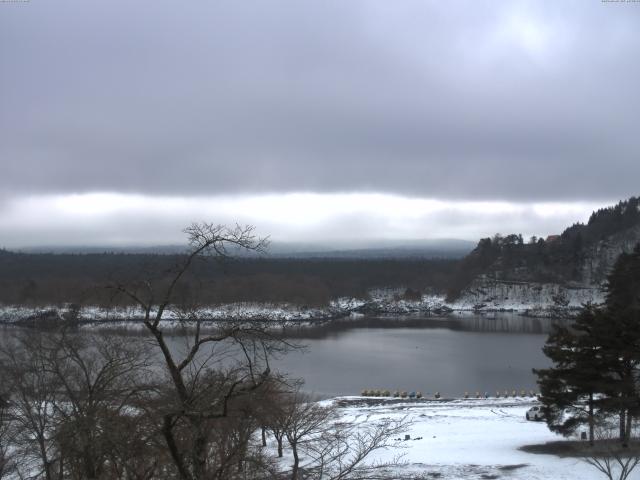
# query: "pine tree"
[569,389]
[596,360]
[620,340]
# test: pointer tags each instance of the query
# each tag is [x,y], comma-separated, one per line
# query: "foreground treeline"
[54,279]
[594,383]
[77,406]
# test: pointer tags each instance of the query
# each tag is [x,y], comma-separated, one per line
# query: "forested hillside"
[583,253]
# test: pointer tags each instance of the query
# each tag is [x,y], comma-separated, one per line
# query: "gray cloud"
[520,101]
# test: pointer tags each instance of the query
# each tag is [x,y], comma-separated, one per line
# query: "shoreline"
[280,315]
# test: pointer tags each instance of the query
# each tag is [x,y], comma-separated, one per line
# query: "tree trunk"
[89,465]
[199,454]
[167,432]
[175,374]
[279,447]
[623,424]
[61,467]
[45,458]
[264,437]
[296,462]
[591,419]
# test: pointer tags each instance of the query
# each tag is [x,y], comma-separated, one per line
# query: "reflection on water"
[450,355]
[499,322]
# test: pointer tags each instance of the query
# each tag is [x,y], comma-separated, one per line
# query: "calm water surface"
[450,355]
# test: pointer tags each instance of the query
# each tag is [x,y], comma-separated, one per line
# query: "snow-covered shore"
[471,439]
[131,317]
[382,301]
[541,300]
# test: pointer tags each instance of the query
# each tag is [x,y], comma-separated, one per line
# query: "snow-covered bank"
[131,316]
[533,299]
[471,439]
[539,300]
[544,300]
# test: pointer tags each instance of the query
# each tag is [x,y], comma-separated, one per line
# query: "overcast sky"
[122,122]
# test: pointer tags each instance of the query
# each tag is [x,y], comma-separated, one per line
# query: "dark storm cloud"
[490,100]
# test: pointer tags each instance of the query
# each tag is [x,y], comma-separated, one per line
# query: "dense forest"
[556,259]
[46,279]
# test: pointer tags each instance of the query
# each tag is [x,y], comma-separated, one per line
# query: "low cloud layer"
[118,219]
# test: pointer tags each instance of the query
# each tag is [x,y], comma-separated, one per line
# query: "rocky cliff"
[601,256]
[538,299]
[579,272]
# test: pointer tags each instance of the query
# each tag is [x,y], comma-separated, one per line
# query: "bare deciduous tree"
[69,395]
[7,460]
[204,381]
[610,456]
[326,446]
[97,378]
[91,407]
[32,394]
[344,451]
[302,420]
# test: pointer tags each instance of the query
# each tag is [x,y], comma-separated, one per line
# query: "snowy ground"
[247,311]
[470,439]
[381,302]
[535,300]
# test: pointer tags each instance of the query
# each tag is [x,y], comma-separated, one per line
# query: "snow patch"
[475,439]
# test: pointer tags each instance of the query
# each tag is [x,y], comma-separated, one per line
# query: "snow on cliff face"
[484,294]
[552,298]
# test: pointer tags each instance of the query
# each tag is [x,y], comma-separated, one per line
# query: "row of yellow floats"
[403,394]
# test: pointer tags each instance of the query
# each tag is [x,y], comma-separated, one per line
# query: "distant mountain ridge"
[427,248]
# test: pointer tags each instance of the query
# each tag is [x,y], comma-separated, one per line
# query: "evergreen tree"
[597,359]
[569,389]
[620,340]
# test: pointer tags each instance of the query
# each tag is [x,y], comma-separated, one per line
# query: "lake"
[450,354]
